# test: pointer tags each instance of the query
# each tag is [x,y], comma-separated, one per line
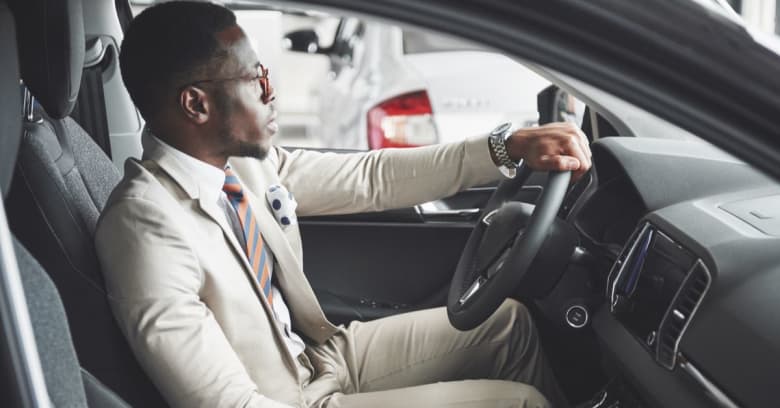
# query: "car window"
[381,85]
[371,85]
[367,84]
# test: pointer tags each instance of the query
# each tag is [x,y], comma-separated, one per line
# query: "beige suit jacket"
[180,285]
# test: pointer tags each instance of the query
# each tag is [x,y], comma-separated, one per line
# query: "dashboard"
[693,293]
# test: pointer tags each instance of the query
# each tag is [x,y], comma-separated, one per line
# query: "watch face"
[501,129]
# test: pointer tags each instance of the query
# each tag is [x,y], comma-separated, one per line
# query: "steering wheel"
[497,258]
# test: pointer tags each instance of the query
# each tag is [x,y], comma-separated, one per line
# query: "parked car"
[393,86]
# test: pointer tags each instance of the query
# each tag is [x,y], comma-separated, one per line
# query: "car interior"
[646,298]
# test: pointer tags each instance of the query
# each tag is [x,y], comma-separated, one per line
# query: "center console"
[654,289]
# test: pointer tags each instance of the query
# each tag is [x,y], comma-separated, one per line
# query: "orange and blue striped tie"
[255,248]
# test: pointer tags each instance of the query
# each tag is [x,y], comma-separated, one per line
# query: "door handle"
[430,211]
[465,212]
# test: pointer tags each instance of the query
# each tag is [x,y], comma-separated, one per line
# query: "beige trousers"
[418,360]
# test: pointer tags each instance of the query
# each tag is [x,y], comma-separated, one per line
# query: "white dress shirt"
[213,178]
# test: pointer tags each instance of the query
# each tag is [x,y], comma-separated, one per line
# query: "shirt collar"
[208,177]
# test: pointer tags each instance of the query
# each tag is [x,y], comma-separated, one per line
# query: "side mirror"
[303,41]
[555,105]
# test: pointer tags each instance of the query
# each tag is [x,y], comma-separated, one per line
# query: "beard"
[255,150]
[233,145]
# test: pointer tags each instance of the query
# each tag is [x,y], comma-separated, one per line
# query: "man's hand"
[554,146]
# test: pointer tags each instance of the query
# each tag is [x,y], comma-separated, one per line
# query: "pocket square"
[282,204]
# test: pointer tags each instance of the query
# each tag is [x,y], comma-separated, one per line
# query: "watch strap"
[497,143]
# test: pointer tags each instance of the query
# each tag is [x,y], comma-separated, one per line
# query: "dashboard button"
[577,316]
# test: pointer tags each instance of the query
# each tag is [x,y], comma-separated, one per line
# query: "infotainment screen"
[648,280]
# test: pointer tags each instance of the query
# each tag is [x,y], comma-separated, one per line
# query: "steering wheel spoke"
[472,290]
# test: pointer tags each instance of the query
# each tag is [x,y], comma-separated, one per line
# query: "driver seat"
[61,184]
[67,384]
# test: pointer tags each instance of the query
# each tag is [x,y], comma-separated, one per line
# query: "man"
[205,278]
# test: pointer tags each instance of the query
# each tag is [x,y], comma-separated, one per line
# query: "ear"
[195,104]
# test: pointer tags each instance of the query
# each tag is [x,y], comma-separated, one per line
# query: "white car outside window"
[394,87]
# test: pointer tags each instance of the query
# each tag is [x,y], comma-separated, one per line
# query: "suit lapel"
[216,213]
[272,233]
[298,294]
[212,209]
[307,316]
[208,203]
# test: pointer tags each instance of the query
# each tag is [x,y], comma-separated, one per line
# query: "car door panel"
[370,265]
[364,270]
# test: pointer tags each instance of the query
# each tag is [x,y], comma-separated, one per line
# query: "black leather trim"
[51,51]
[10,102]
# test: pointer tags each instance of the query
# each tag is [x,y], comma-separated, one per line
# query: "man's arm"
[329,183]
[153,279]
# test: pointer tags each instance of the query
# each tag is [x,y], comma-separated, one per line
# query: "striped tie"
[255,246]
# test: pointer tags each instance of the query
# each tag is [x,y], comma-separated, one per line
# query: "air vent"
[680,313]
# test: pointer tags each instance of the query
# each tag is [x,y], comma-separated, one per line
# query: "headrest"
[51,51]
[11,101]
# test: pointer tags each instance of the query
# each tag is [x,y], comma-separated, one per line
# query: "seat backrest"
[67,384]
[61,184]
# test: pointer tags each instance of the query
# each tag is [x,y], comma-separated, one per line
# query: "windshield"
[758,16]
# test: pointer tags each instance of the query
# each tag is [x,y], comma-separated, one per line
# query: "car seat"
[67,384]
[61,184]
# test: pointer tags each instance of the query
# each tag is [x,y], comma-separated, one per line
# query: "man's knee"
[510,394]
[512,322]
[514,306]
[514,313]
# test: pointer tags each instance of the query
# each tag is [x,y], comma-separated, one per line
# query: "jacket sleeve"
[333,183]
[153,280]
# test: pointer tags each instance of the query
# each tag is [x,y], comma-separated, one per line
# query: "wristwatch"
[497,142]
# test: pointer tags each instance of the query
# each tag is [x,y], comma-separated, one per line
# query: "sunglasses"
[261,77]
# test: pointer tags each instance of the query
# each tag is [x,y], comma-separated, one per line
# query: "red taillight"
[403,121]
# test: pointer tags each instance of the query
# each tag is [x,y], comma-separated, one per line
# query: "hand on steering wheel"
[497,259]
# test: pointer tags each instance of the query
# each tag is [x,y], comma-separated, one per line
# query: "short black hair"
[166,43]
